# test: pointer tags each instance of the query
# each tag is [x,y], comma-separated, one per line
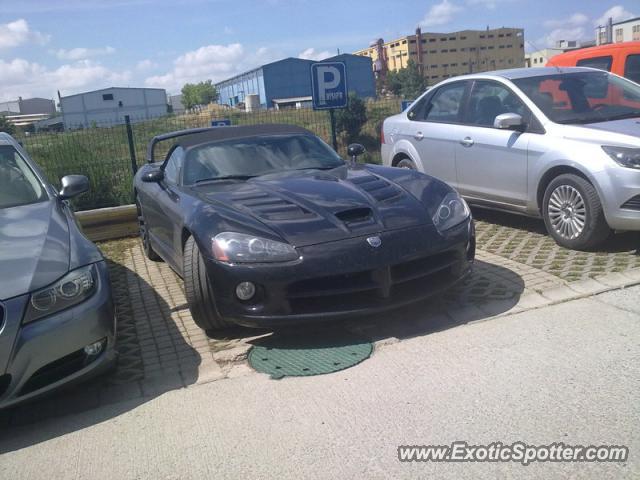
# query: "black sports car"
[268,225]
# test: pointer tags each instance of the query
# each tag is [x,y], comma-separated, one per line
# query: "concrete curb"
[109,223]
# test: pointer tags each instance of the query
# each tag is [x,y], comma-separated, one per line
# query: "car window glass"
[258,155]
[445,103]
[172,168]
[490,99]
[601,63]
[576,98]
[632,68]
[18,184]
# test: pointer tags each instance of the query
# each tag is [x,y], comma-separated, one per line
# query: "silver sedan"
[560,143]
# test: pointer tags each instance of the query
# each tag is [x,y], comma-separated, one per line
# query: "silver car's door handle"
[466,142]
[418,136]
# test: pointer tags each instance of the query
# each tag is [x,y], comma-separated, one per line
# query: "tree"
[350,120]
[201,93]
[6,125]
[407,82]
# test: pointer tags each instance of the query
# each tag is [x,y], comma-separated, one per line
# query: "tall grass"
[102,153]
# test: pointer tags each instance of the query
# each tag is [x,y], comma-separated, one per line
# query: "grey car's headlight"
[452,211]
[627,157]
[234,247]
[75,287]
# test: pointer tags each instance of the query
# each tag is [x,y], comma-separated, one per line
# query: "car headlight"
[75,287]
[625,156]
[453,210]
[234,247]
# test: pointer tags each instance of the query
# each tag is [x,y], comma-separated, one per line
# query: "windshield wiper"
[320,168]
[621,116]
[225,177]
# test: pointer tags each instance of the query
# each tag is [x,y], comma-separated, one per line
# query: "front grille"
[632,203]
[57,370]
[370,288]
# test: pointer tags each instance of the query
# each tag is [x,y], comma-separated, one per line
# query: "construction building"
[27,112]
[624,31]
[444,55]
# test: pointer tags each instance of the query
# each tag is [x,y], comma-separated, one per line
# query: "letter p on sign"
[329,85]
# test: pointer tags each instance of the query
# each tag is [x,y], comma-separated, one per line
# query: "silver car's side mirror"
[509,121]
[72,186]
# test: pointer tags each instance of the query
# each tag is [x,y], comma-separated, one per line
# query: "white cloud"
[440,14]
[81,53]
[211,62]
[311,54]
[146,64]
[577,19]
[19,77]
[617,12]
[557,34]
[18,32]
[489,4]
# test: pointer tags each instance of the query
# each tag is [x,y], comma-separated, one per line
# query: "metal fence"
[106,153]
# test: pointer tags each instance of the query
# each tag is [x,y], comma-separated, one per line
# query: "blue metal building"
[287,82]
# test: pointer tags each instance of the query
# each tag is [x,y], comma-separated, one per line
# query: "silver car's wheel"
[567,212]
[406,163]
[573,213]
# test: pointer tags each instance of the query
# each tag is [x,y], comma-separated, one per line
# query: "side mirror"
[154,176]
[354,151]
[509,121]
[72,186]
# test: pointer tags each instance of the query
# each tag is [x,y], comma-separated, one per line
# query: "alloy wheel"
[567,212]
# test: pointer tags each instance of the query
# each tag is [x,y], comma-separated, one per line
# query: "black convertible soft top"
[197,136]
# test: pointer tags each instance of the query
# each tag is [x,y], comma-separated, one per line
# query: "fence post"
[132,148]
[333,129]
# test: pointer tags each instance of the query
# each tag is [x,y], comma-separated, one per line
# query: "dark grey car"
[57,322]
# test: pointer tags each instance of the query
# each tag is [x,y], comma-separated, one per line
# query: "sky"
[78,45]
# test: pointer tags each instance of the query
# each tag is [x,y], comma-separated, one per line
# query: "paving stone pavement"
[161,348]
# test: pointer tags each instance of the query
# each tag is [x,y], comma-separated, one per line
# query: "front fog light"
[95,348]
[245,290]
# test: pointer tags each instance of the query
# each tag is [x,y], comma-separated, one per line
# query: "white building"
[109,106]
[539,58]
[625,31]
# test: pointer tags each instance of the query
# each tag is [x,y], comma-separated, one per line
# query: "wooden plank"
[109,223]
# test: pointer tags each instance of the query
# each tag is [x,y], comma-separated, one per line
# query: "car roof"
[516,73]
[198,136]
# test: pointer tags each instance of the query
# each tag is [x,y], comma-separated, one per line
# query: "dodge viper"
[268,225]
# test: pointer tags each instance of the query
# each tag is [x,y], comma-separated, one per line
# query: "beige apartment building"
[444,55]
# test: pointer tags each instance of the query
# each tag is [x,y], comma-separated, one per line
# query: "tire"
[198,290]
[569,201]
[144,235]
[407,163]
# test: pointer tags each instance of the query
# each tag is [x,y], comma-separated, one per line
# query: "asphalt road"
[568,373]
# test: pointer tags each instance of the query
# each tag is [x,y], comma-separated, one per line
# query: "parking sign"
[329,85]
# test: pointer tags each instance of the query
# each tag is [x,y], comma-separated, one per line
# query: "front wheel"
[573,213]
[406,163]
[197,289]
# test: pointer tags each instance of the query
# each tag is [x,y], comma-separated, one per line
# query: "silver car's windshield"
[582,97]
[18,184]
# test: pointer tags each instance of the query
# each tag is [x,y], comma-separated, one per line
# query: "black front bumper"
[346,278]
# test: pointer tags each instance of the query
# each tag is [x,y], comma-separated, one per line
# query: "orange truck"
[620,58]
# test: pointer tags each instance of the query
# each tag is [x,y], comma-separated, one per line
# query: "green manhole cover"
[309,353]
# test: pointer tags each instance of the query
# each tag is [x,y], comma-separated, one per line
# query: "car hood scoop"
[310,207]
[34,248]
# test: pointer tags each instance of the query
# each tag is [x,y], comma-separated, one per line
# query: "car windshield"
[583,97]
[260,155]
[18,184]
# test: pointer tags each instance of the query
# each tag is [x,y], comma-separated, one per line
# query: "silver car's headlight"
[232,247]
[453,210]
[625,156]
[75,287]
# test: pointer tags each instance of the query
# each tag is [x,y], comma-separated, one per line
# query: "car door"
[491,163]
[168,220]
[434,130]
